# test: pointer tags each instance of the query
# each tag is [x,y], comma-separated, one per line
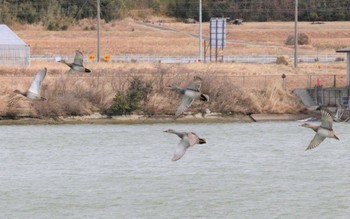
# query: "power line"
[80,9]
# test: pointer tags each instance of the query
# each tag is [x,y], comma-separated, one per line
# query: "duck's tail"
[204,97]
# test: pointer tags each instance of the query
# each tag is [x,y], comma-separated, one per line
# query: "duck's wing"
[78,59]
[192,138]
[326,120]
[338,115]
[180,134]
[185,103]
[316,141]
[195,84]
[309,119]
[180,149]
[71,71]
[35,87]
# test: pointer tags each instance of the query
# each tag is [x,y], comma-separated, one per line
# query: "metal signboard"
[218,32]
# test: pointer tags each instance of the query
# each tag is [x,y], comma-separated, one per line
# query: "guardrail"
[192,59]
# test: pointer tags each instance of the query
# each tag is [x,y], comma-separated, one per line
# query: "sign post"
[347,51]
[200,31]
[217,35]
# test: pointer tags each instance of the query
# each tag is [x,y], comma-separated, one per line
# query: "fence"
[330,96]
[253,82]
[190,59]
[14,55]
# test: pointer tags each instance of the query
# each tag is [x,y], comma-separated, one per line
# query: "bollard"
[318,83]
[284,80]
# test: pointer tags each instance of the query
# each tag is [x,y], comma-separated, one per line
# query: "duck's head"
[202,141]
[306,125]
[19,92]
[170,130]
[62,61]
[172,87]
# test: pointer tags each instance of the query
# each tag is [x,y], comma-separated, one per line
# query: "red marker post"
[318,82]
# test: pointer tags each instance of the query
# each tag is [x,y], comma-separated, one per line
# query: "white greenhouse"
[13,50]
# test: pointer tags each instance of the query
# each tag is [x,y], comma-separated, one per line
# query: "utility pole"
[200,31]
[296,35]
[98,31]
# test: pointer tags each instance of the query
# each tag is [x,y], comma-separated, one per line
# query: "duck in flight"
[323,131]
[77,64]
[33,93]
[189,94]
[188,139]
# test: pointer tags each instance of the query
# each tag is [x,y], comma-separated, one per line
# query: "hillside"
[131,36]
[56,15]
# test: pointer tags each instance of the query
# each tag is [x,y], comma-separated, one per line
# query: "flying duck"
[338,115]
[188,139]
[33,93]
[189,94]
[77,65]
[323,131]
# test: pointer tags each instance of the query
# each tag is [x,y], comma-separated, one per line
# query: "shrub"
[64,27]
[282,60]
[303,39]
[120,105]
[130,101]
[53,26]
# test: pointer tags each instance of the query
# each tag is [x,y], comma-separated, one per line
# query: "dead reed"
[84,94]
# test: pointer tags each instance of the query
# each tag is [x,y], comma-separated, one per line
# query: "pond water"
[246,170]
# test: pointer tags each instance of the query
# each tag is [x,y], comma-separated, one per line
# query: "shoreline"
[141,119]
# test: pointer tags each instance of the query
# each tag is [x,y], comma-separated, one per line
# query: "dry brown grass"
[130,36]
[275,99]
[233,87]
[84,94]
[227,97]
[75,96]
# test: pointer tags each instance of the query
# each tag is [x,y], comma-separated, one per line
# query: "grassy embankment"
[230,85]
[79,94]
